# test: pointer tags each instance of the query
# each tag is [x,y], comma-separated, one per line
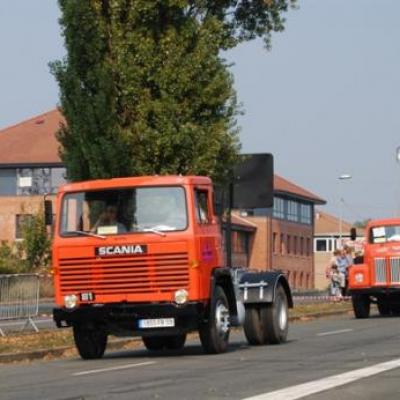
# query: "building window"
[240,242]
[282,244]
[289,244]
[305,214]
[274,244]
[34,181]
[21,221]
[295,249]
[8,182]
[321,245]
[58,178]
[302,252]
[279,208]
[292,211]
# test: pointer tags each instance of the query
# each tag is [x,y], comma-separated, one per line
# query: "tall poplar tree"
[144,89]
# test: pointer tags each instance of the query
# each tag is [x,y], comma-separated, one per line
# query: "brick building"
[283,238]
[263,238]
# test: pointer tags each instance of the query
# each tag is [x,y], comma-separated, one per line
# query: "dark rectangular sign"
[253,185]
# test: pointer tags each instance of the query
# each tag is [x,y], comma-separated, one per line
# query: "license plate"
[156,323]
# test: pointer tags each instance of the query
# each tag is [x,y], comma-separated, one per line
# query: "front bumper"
[123,319]
[375,291]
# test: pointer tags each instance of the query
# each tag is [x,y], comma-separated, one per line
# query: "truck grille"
[380,270]
[153,273]
[395,269]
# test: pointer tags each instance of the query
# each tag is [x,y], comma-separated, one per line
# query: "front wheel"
[214,333]
[383,308]
[361,305]
[90,342]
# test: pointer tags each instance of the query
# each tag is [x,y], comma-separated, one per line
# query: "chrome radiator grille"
[395,269]
[380,270]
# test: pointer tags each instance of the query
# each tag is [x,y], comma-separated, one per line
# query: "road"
[315,351]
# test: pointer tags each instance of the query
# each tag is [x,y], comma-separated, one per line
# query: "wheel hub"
[222,318]
[283,317]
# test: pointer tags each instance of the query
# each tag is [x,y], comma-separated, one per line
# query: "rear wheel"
[214,333]
[275,317]
[253,327]
[361,305]
[90,342]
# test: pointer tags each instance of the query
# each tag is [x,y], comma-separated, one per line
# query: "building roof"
[243,222]
[329,225]
[285,187]
[32,141]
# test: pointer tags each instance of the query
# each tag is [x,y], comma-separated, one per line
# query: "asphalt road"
[340,348]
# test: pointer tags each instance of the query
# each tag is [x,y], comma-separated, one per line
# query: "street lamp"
[341,178]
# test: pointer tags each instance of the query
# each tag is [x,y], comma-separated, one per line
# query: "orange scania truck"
[144,256]
[375,276]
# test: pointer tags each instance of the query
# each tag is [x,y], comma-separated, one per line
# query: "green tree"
[36,243]
[144,89]
[362,223]
[11,261]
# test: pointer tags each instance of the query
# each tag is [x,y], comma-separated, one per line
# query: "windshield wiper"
[154,230]
[83,233]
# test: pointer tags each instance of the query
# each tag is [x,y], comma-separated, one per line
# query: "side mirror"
[48,212]
[353,234]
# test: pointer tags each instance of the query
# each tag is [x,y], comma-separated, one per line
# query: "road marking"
[330,382]
[119,367]
[334,332]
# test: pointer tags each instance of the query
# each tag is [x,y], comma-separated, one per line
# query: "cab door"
[208,234]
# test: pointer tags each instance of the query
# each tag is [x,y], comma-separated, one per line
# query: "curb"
[121,343]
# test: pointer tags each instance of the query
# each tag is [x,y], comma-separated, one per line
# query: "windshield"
[383,234]
[121,211]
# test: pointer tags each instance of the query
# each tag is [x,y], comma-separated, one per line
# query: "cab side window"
[202,210]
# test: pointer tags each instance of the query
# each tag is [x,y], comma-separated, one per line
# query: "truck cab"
[143,256]
[375,277]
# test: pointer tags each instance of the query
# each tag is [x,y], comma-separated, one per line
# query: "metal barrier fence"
[19,298]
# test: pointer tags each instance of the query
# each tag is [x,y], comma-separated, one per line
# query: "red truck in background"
[375,276]
[143,256]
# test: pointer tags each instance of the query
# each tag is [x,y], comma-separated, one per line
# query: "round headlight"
[359,277]
[70,300]
[181,296]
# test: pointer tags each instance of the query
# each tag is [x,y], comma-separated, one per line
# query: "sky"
[324,101]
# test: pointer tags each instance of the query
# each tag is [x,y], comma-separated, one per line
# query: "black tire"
[154,343]
[175,342]
[275,317]
[395,310]
[91,343]
[253,327]
[383,308]
[157,343]
[214,333]
[361,305]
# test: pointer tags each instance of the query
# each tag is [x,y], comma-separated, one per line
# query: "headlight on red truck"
[181,296]
[359,277]
[70,301]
